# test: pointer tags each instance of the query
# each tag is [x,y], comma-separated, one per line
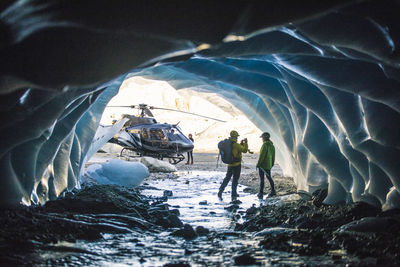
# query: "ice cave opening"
[207,132]
[324,81]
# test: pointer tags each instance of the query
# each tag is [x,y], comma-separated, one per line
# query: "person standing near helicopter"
[265,163]
[190,153]
[234,168]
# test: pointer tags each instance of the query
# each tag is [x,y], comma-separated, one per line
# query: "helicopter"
[142,135]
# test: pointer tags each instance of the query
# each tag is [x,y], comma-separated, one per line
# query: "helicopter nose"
[187,147]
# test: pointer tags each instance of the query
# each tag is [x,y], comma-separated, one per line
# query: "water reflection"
[150,248]
[192,188]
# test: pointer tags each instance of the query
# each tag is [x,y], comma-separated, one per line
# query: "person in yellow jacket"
[265,162]
[235,167]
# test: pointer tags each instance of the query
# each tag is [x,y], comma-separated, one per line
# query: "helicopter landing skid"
[175,160]
[128,153]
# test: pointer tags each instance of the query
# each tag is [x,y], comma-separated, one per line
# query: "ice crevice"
[323,80]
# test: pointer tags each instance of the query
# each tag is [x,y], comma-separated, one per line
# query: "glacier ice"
[322,78]
[119,172]
[155,165]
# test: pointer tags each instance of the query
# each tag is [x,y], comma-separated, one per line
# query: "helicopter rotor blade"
[131,106]
[169,109]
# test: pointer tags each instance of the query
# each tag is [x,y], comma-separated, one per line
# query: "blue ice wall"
[322,78]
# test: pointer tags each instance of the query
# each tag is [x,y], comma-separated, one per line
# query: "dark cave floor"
[162,223]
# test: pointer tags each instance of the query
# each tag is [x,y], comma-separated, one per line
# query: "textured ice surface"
[119,172]
[323,79]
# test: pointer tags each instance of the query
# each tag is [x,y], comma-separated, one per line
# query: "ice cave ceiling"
[322,76]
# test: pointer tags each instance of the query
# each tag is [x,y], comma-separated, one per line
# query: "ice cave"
[322,77]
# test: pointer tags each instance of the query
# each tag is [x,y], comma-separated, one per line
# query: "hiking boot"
[260,196]
[187,163]
[220,195]
[273,193]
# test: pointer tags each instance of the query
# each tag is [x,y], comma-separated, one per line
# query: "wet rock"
[176,212]
[100,199]
[187,232]
[204,202]
[170,221]
[248,190]
[252,210]
[318,197]
[302,209]
[236,201]
[200,230]
[167,193]
[160,206]
[159,214]
[362,209]
[232,207]
[180,264]
[275,231]
[174,221]
[306,223]
[300,242]
[245,259]
[188,252]
[372,224]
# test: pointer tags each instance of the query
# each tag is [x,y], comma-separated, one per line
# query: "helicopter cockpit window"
[144,133]
[157,134]
[173,135]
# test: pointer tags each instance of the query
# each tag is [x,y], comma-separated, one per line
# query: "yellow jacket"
[237,150]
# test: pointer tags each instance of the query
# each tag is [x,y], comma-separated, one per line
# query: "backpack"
[225,150]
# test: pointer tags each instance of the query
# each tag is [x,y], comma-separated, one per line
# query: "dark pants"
[271,182]
[190,156]
[235,172]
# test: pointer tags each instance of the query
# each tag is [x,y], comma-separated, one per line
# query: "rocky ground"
[285,230]
[308,227]
[85,215]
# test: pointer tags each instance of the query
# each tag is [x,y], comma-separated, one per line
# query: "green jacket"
[267,156]
[237,150]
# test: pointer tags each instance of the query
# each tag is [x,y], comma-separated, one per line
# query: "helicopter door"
[145,137]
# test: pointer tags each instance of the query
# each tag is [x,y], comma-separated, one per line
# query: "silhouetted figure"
[190,153]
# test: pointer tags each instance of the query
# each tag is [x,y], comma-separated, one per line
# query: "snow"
[119,172]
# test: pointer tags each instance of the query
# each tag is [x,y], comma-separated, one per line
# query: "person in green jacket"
[265,162]
[235,167]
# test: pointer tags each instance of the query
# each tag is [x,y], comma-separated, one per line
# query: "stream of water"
[194,195]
